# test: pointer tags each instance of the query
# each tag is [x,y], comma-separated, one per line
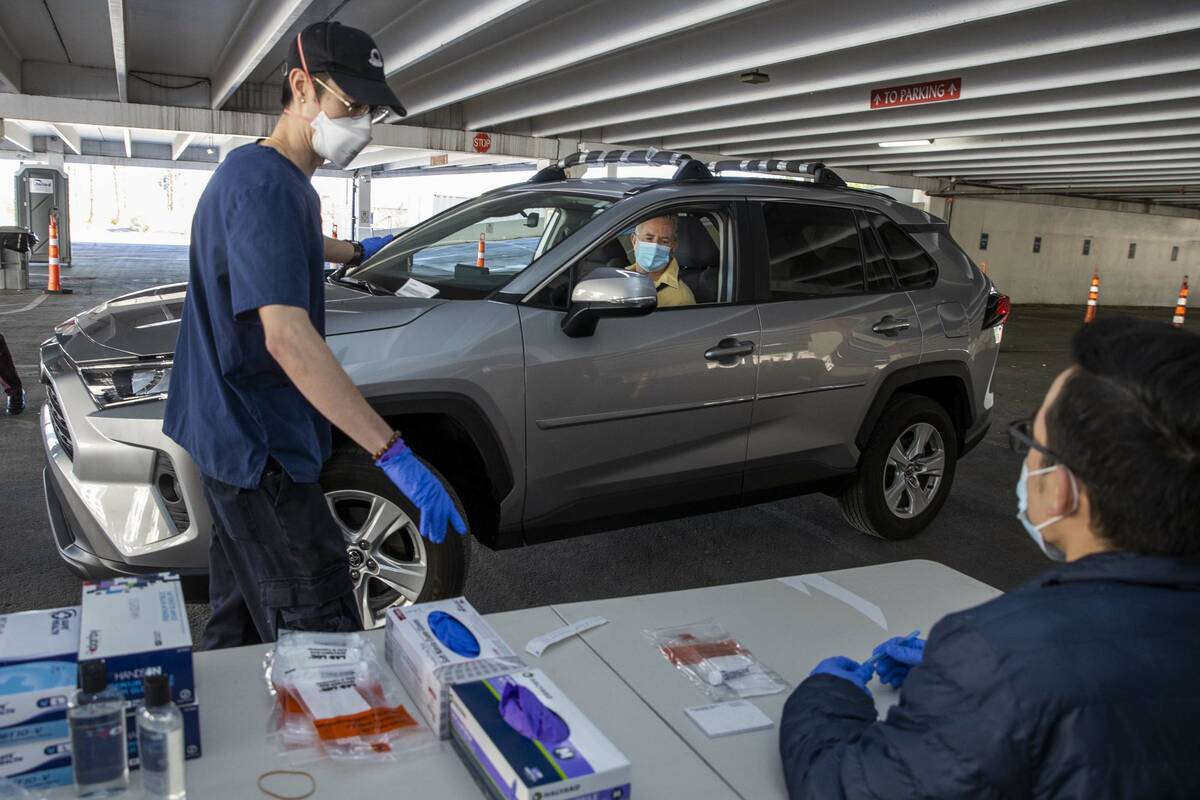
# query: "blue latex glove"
[373,245]
[424,490]
[847,669]
[452,633]
[528,716]
[896,657]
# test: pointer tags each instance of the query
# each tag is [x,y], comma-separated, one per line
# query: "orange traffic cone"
[335,230]
[1181,304]
[1093,294]
[479,262]
[53,279]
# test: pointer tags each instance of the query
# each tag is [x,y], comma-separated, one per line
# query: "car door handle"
[890,326]
[727,350]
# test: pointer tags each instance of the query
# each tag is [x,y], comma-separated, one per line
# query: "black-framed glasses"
[1021,441]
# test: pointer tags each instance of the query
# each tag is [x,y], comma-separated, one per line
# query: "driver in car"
[654,244]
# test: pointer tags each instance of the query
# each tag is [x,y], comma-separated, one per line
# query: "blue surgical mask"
[1035,531]
[652,256]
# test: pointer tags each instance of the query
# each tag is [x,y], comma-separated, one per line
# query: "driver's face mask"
[652,256]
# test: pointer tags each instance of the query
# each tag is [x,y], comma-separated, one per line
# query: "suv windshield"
[472,250]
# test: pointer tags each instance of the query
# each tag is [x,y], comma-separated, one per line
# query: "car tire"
[894,495]
[365,502]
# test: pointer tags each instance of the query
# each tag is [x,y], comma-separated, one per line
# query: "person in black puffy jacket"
[1083,683]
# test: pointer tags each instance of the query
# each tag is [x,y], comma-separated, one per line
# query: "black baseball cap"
[350,57]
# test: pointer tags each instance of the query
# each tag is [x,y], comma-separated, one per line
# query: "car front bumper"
[121,497]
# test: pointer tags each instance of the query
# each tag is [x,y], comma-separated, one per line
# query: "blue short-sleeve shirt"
[256,241]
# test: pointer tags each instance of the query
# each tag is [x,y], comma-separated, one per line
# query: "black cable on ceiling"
[143,79]
[57,32]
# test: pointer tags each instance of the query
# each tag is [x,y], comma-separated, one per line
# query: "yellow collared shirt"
[671,290]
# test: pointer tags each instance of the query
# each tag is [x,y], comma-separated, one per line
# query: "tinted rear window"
[913,266]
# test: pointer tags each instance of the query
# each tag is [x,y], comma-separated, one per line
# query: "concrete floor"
[976,532]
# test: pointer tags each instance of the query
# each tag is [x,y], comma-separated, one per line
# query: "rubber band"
[273,772]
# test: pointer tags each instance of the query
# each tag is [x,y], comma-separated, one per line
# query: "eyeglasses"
[352,109]
[1021,441]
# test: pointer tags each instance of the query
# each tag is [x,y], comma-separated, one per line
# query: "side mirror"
[533,219]
[608,292]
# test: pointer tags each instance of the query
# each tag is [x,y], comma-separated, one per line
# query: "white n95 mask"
[340,140]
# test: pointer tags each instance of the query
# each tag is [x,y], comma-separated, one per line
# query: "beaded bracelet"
[380,453]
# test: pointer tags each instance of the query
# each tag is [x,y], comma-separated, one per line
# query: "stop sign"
[482,142]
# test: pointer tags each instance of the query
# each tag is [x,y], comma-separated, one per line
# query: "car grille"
[59,420]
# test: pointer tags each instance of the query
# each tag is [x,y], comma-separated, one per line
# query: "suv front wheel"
[390,563]
[905,471]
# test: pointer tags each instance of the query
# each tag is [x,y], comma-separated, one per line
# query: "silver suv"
[840,341]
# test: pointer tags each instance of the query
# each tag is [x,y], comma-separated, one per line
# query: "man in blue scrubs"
[254,387]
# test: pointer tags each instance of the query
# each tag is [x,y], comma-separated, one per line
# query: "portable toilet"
[40,190]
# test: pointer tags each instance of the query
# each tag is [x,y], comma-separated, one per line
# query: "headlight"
[112,384]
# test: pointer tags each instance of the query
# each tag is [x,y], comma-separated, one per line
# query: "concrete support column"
[54,153]
[362,204]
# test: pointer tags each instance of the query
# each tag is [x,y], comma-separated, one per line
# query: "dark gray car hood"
[146,323]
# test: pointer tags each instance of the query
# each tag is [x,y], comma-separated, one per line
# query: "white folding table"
[614,674]
[789,629]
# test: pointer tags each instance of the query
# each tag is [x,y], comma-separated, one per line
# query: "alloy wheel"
[913,471]
[388,560]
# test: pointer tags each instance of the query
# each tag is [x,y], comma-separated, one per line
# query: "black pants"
[276,560]
[8,371]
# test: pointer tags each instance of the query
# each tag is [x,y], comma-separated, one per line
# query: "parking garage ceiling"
[1084,97]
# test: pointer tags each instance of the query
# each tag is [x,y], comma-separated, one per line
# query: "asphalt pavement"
[976,533]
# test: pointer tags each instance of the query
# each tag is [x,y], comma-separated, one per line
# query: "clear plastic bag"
[332,700]
[718,665]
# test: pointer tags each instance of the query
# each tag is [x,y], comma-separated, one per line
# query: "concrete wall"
[1060,273]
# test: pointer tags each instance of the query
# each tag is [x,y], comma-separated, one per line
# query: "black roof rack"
[688,167]
[820,173]
[649,156]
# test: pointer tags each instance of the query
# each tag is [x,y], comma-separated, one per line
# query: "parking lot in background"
[975,533]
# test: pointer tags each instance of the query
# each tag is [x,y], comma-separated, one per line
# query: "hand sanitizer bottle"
[160,741]
[99,749]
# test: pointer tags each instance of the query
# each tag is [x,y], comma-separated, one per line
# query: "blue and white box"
[37,672]
[509,766]
[139,626]
[427,666]
[37,765]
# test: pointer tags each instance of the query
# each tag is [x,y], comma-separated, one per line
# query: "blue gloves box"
[523,739]
[431,646]
[139,626]
[37,674]
[37,765]
[58,730]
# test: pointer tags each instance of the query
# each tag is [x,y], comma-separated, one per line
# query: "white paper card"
[726,719]
[538,644]
[335,694]
[414,288]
